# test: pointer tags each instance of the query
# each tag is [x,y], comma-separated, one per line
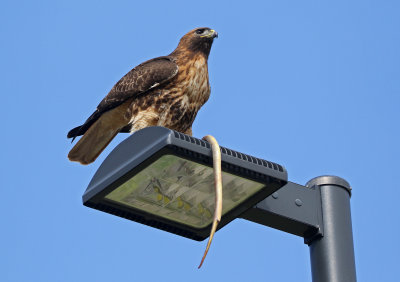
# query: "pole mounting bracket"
[294,208]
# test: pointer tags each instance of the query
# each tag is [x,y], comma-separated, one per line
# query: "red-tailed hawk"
[166,91]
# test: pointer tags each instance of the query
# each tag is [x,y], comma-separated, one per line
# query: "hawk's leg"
[189,132]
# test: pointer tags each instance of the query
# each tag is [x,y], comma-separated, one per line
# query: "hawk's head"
[198,40]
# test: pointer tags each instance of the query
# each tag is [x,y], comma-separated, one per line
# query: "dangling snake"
[216,153]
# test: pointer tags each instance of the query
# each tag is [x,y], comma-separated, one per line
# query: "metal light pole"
[320,213]
[332,255]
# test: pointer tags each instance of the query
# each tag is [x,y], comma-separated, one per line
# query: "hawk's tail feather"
[96,138]
[91,145]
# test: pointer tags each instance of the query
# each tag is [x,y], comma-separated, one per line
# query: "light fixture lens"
[182,190]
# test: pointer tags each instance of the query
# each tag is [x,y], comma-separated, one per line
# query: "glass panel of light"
[182,190]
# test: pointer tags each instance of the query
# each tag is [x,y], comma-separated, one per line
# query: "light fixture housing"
[164,179]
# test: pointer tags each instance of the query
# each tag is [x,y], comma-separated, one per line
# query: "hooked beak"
[210,34]
[213,33]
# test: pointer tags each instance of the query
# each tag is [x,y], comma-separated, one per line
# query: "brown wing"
[139,80]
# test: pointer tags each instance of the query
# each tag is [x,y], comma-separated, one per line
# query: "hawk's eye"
[199,31]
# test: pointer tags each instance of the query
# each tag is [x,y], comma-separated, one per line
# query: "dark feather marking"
[126,129]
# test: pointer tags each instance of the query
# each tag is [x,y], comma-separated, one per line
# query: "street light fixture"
[163,178]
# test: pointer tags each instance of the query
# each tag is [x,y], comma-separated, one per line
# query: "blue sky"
[312,85]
